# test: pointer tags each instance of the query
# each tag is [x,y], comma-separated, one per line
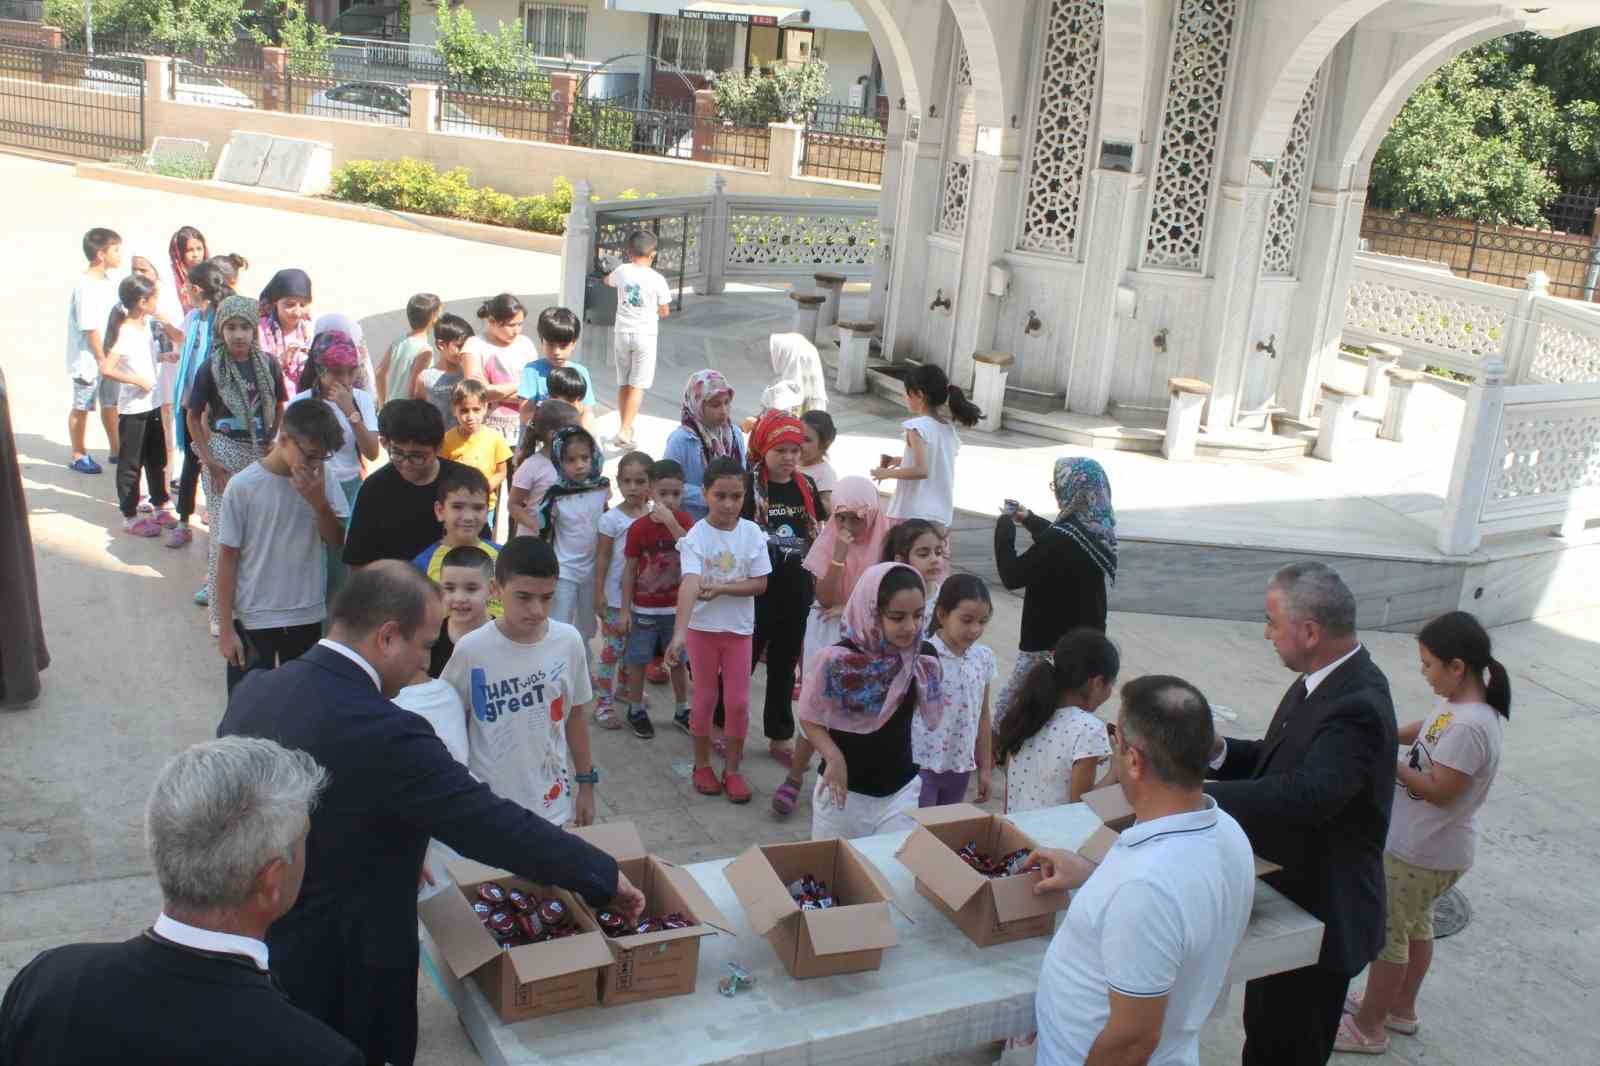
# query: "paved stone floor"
[135,677]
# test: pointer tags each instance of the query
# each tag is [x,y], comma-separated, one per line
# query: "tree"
[309,44]
[1479,139]
[197,26]
[498,61]
[1570,67]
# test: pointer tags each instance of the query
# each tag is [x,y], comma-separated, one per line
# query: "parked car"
[375,101]
[192,88]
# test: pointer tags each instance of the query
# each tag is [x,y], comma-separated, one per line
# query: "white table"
[935,994]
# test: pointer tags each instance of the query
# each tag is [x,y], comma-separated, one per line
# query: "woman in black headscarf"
[22,651]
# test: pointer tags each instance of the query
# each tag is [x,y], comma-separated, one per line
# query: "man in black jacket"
[1314,796]
[226,828]
[347,952]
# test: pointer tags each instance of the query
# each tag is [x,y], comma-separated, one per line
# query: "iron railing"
[88,106]
[224,86]
[1503,255]
[1574,210]
[843,143]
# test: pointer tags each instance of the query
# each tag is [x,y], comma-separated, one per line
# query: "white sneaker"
[216,630]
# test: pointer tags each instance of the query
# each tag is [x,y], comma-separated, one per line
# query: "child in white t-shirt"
[1051,740]
[142,442]
[725,567]
[820,434]
[524,679]
[643,299]
[570,521]
[633,481]
[925,475]
[947,753]
[433,700]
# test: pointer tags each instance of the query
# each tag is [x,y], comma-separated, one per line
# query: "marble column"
[1242,232]
[1114,215]
[1327,247]
[996,186]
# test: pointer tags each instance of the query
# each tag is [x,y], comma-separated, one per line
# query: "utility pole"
[88,25]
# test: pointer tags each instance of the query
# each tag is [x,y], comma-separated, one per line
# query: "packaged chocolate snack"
[491,893]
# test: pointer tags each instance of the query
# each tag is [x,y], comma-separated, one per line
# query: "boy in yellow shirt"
[476,445]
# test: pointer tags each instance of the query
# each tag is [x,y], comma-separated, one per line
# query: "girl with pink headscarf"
[847,545]
[858,702]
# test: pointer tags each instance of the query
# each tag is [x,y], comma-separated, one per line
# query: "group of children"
[737,546]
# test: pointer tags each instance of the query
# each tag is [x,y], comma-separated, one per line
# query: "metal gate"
[82,105]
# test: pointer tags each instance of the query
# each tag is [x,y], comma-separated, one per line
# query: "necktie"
[1292,701]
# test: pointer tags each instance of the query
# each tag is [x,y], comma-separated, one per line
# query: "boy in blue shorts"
[92,300]
[650,580]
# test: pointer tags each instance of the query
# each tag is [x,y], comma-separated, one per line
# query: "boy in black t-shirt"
[394,515]
[786,505]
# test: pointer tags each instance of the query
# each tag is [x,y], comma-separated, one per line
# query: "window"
[695,46]
[555,29]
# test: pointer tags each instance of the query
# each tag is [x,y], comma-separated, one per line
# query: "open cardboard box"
[989,910]
[652,965]
[846,938]
[522,982]
[1111,806]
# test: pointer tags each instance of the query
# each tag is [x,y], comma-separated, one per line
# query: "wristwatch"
[590,778]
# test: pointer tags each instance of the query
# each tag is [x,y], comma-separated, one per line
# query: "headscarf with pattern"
[225,371]
[714,443]
[289,347]
[180,268]
[595,478]
[857,689]
[1084,495]
[772,429]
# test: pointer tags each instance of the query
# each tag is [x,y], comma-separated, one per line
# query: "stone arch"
[1128,40]
[1380,113]
[1295,73]
[989,82]
[894,51]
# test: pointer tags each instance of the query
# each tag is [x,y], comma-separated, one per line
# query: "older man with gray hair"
[1314,796]
[226,829]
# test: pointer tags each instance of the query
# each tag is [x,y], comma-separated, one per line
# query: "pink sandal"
[785,798]
[1353,1041]
[1394,1023]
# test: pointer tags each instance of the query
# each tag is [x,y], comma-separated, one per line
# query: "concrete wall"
[849,56]
[519,167]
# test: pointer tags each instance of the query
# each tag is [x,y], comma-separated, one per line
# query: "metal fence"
[843,143]
[1502,255]
[1574,210]
[89,106]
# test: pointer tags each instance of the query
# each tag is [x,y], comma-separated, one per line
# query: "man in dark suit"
[226,828]
[347,952]
[1314,796]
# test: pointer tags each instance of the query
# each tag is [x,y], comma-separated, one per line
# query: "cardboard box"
[652,965]
[846,938]
[1111,806]
[522,982]
[1098,846]
[990,911]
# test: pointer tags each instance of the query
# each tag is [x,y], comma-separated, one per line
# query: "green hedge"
[417,186]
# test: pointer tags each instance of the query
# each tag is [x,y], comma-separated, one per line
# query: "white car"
[192,88]
[375,101]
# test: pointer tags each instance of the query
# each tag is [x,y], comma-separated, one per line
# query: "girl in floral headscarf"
[784,504]
[858,701]
[848,544]
[1064,576]
[285,313]
[235,403]
[707,432]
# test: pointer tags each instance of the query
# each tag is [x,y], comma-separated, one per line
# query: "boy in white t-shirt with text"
[643,299]
[524,679]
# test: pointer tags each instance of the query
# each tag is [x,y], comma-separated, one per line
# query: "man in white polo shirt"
[1142,956]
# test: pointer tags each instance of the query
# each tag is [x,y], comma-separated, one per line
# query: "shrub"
[417,186]
[779,94]
[598,126]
